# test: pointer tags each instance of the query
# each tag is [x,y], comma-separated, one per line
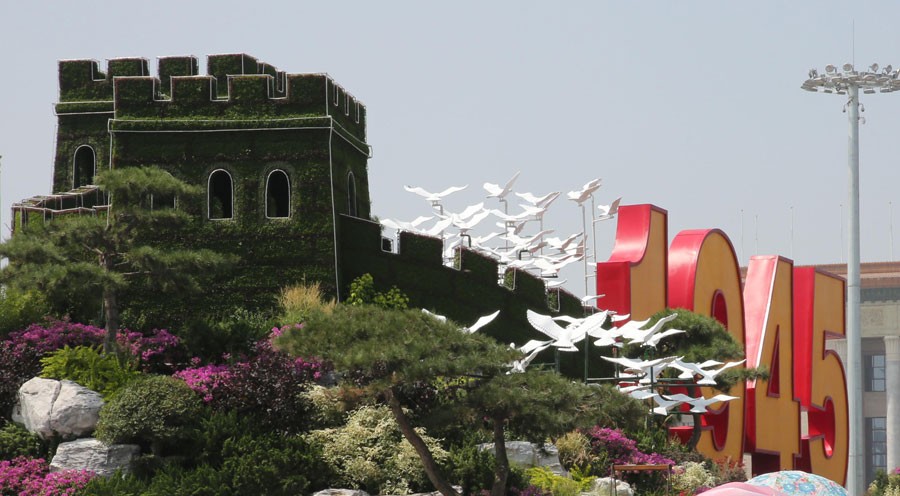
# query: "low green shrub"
[558,485]
[16,441]
[89,367]
[370,453]
[19,309]
[155,411]
[362,292]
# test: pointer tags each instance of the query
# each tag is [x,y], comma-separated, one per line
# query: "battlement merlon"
[248,97]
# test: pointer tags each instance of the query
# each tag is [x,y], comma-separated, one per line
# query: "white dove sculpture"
[637,335]
[608,211]
[406,226]
[538,200]
[434,197]
[481,322]
[563,339]
[689,370]
[495,191]
[519,366]
[700,405]
[580,196]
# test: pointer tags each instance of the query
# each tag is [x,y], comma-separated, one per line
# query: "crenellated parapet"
[82,80]
[236,87]
[461,292]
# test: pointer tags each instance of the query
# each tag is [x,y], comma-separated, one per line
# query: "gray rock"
[35,403]
[49,408]
[341,492]
[458,490]
[92,454]
[604,487]
[529,455]
[76,410]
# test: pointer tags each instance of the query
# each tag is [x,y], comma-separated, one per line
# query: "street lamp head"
[830,68]
[813,73]
[873,67]
[848,67]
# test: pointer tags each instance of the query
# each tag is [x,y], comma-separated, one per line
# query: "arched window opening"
[278,195]
[351,195]
[83,167]
[220,196]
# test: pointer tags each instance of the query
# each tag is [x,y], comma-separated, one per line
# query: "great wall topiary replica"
[283,159]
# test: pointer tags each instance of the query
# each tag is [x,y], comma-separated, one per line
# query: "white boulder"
[529,455]
[604,487]
[341,492]
[49,408]
[92,454]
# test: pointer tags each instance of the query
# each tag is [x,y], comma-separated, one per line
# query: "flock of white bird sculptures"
[639,375]
[527,252]
[516,250]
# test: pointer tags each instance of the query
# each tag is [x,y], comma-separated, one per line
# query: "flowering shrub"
[692,478]
[25,476]
[209,381]
[17,365]
[370,453]
[613,447]
[53,334]
[158,352]
[268,384]
[157,349]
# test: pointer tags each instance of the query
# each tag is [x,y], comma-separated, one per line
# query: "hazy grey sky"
[693,106]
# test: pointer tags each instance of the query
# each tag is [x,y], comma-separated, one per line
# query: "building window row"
[874,370]
[220,195]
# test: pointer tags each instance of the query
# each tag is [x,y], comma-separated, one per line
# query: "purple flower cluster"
[53,334]
[620,449]
[209,381]
[31,477]
[265,383]
[159,348]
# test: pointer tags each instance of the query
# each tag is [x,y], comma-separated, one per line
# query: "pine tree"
[390,354]
[107,253]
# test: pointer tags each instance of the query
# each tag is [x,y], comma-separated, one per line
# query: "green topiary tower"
[281,157]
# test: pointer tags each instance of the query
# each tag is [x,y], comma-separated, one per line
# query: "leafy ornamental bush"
[89,367]
[17,365]
[574,450]
[884,484]
[370,453]
[230,454]
[610,446]
[18,309]
[16,441]
[209,338]
[156,410]
[558,485]
[692,478]
[156,350]
[25,476]
[268,385]
[362,292]
[473,469]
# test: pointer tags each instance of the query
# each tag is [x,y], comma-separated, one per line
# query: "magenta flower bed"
[621,449]
[31,477]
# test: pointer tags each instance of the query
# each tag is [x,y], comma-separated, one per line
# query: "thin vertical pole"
[891,228]
[756,252]
[742,236]
[792,233]
[856,467]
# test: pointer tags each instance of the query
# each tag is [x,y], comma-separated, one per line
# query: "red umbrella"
[741,489]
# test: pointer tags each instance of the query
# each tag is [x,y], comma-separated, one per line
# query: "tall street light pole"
[848,82]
